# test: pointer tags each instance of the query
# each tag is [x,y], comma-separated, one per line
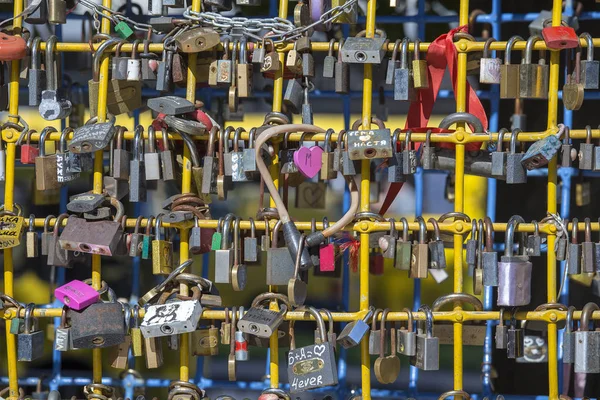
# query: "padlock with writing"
[260,321]
[369,144]
[76,295]
[172,318]
[68,167]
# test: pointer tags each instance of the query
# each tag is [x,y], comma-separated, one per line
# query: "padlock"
[436,247]
[312,366]
[164,75]
[509,73]
[419,265]
[68,165]
[354,332]
[224,255]
[45,165]
[152,166]
[137,169]
[586,151]
[62,339]
[251,244]
[514,339]
[363,50]
[407,337]
[238,269]
[404,89]
[342,72]
[409,156]
[489,257]
[93,136]
[514,272]
[586,343]
[574,250]
[375,334]
[472,246]
[119,63]
[32,246]
[590,68]
[567,150]
[162,251]
[428,346]
[172,318]
[387,368]
[559,37]
[537,25]
[369,144]
[30,343]
[53,104]
[543,151]
[136,239]
[515,172]
[419,68]
[197,40]
[95,237]
[76,295]
[489,70]
[99,325]
[28,151]
[533,78]
[37,75]
[403,249]
[280,265]
[588,251]
[501,334]
[568,344]
[46,236]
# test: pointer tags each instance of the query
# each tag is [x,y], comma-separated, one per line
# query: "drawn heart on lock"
[308,160]
[319,349]
[312,193]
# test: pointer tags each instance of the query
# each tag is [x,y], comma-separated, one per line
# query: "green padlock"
[147,240]
[123,30]
[217,237]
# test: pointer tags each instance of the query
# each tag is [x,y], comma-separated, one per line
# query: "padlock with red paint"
[28,151]
[560,37]
[12,47]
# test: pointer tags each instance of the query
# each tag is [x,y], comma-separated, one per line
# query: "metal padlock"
[403,248]
[514,339]
[93,136]
[251,244]
[568,344]
[489,257]
[489,69]
[312,366]
[587,343]
[590,68]
[428,346]
[30,343]
[99,325]
[172,318]
[280,265]
[540,153]
[76,295]
[501,334]
[559,37]
[515,172]
[137,169]
[586,151]
[407,337]
[533,78]
[419,268]
[53,104]
[354,332]
[574,250]
[509,73]
[95,237]
[499,156]
[260,321]
[404,89]
[369,144]
[37,75]
[46,177]
[514,272]
[162,251]
[363,50]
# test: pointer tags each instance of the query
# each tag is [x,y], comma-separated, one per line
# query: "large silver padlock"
[514,272]
[53,104]
[587,343]
[363,50]
[171,318]
[369,144]
[93,136]
[260,321]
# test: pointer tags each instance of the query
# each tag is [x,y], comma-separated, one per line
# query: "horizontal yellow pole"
[452,316]
[462,45]
[363,226]
[459,136]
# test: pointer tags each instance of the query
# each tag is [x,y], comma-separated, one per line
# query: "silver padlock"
[171,318]
[260,321]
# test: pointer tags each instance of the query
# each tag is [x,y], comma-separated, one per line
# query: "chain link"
[279,29]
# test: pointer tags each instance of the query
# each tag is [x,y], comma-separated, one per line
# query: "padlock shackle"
[134,50]
[407,142]
[586,316]
[512,224]
[465,117]
[62,142]
[236,139]
[329,320]
[531,41]
[58,223]
[590,45]
[436,228]
[428,319]
[404,54]
[318,318]
[98,55]
[327,142]
[501,317]
[261,298]
[489,231]
[47,222]
[29,321]
[297,262]
[224,138]
[138,149]
[509,45]
[151,139]
[569,321]
[404,229]
[410,320]
[486,47]
[45,132]
[460,393]
[382,335]
[31,223]
[374,320]
[51,83]
[339,54]
[36,62]
[226,242]
[393,231]
[192,147]
[574,230]
[513,140]
[501,134]
[422,229]
[462,298]
[395,50]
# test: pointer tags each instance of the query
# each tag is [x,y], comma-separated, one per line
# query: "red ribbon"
[442,53]
[352,245]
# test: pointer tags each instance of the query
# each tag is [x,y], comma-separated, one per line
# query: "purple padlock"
[76,295]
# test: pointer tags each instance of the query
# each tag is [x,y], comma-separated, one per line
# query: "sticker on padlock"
[172,318]
[76,294]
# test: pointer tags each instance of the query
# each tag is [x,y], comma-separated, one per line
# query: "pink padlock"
[76,295]
[327,258]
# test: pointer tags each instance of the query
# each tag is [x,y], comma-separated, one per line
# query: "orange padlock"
[12,47]
[560,37]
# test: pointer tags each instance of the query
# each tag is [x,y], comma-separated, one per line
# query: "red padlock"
[560,37]
[12,47]
[29,152]
[376,263]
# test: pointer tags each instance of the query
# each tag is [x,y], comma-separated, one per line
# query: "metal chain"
[280,30]
[113,16]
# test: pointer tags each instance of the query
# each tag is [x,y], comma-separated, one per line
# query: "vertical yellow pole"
[552,186]
[9,184]
[186,187]
[274,170]
[365,189]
